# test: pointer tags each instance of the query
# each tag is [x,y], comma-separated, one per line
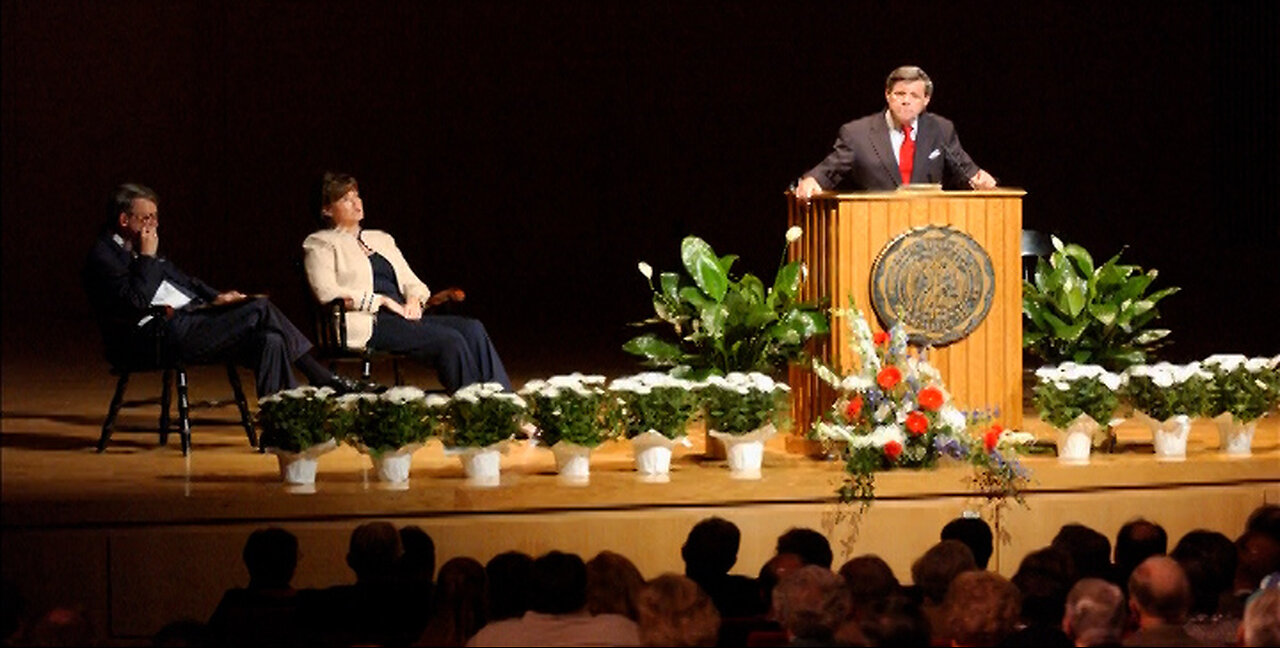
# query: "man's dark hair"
[1265,518]
[510,578]
[121,200]
[1209,559]
[374,551]
[812,547]
[559,583]
[1137,541]
[271,555]
[934,570]
[869,579]
[975,533]
[1090,551]
[909,73]
[711,548]
[419,560]
[1044,578]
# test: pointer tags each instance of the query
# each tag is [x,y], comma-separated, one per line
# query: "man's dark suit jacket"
[863,156]
[120,287]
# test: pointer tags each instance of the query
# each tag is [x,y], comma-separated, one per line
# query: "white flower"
[435,401]
[347,401]
[1112,381]
[403,394]
[794,233]
[1226,362]
[533,386]
[886,433]
[645,269]
[1013,438]
[1254,365]
[953,418]
[856,384]
[836,433]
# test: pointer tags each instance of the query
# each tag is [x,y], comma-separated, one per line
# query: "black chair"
[1035,244]
[331,341]
[171,370]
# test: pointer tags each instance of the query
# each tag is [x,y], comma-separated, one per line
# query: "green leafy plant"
[1068,390]
[655,401]
[1076,312]
[399,417]
[296,419]
[722,324]
[573,408]
[1245,388]
[739,403]
[1163,391]
[481,415]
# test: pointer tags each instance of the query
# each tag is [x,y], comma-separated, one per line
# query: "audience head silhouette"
[271,556]
[811,603]
[812,547]
[1095,613]
[975,533]
[612,584]
[934,571]
[510,577]
[711,547]
[1159,593]
[673,611]
[559,583]
[374,552]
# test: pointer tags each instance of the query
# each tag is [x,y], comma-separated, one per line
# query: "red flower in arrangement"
[880,338]
[892,449]
[991,437]
[917,423]
[931,398]
[889,377]
[854,408]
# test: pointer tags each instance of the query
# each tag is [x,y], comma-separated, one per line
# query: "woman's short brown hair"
[333,186]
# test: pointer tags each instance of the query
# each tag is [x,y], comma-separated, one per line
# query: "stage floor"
[143,536]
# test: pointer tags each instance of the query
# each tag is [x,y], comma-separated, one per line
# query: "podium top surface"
[907,194]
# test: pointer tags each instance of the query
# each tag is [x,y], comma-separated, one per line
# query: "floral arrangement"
[894,412]
[573,408]
[296,419]
[397,418]
[1164,390]
[1066,391]
[739,403]
[1245,388]
[654,401]
[481,415]
[716,324]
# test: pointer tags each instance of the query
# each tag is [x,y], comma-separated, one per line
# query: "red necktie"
[906,154]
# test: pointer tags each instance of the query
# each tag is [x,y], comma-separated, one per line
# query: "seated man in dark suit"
[125,279]
[901,145]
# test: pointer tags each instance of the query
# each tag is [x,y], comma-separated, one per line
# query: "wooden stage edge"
[140,536]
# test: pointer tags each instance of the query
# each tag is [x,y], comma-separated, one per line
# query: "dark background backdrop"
[534,152]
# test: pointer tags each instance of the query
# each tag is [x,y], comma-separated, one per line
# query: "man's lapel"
[926,143]
[884,149]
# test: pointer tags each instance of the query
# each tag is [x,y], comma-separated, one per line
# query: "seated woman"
[385,299]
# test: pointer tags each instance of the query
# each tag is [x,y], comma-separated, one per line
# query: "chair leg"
[166,380]
[109,424]
[395,367]
[184,412]
[366,368]
[234,378]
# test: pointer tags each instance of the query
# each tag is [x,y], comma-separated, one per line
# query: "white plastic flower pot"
[482,466]
[393,470]
[298,469]
[1076,441]
[1235,438]
[745,452]
[1169,437]
[573,463]
[653,456]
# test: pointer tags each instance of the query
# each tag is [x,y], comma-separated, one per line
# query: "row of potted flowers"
[1084,402]
[570,414]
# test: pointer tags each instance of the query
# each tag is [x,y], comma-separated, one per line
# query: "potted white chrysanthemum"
[390,427]
[1169,396]
[1244,390]
[1079,401]
[297,427]
[655,410]
[479,420]
[572,415]
[742,412]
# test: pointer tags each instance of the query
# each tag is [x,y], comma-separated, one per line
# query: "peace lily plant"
[718,324]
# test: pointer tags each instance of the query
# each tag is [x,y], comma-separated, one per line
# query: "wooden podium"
[844,234]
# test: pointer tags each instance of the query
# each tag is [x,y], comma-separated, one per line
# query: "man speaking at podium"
[902,145]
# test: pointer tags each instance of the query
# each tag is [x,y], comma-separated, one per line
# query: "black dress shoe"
[343,385]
